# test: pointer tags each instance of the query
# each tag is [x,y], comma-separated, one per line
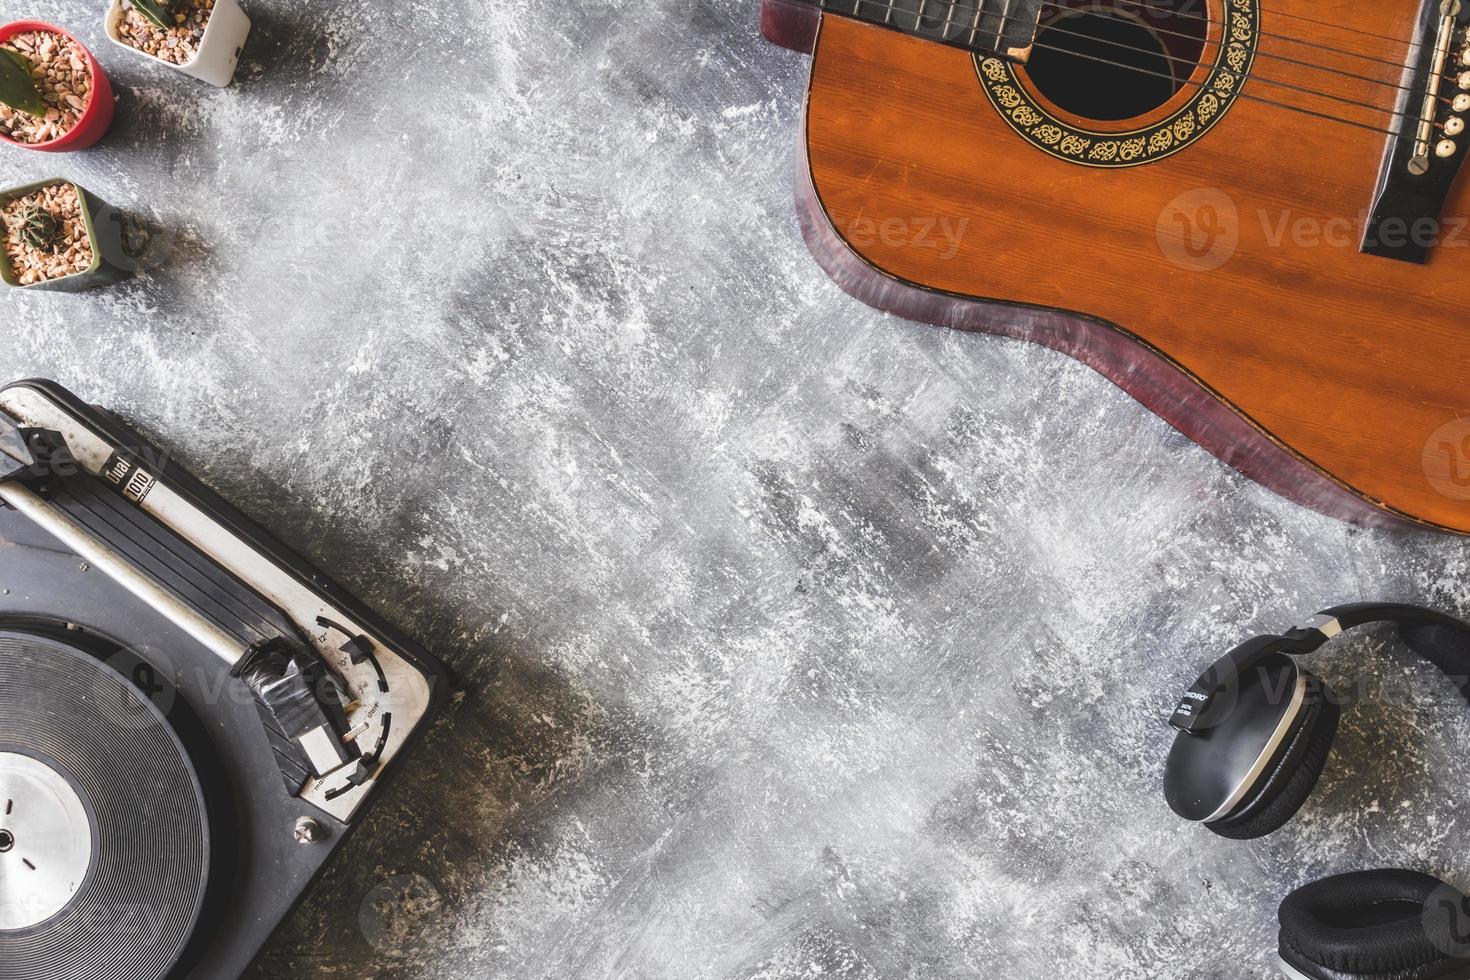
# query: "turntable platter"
[45,831]
[104,832]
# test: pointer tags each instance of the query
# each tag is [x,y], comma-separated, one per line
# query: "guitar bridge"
[1426,147]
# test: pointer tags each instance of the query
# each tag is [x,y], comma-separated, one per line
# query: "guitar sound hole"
[1116,59]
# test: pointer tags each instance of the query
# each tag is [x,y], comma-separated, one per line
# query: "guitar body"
[1218,279]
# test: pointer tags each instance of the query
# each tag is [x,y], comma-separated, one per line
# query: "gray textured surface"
[795,640]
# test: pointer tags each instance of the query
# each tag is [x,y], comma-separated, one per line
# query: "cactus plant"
[39,228]
[88,249]
[17,88]
[160,13]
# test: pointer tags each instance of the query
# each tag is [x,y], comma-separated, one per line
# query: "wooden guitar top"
[1222,284]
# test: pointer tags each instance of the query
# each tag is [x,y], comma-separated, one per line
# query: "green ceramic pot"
[110,260]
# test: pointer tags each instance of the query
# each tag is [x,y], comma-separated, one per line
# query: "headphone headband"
[1192,715]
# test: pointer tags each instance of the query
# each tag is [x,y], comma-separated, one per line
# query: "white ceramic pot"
[219,51]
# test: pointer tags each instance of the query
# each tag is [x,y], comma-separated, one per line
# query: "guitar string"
[1179,60]
[1102,8]
[889,9]
[889,5]
[1397,133]
[1307,20]
[1137,69]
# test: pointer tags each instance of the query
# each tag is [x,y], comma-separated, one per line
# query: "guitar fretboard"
[1002,27]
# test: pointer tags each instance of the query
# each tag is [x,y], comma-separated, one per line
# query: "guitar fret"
[948,21]
[969,24]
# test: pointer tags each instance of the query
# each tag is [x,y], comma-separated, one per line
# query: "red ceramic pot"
[95,118]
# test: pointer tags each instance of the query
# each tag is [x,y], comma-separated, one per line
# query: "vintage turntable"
[192,719]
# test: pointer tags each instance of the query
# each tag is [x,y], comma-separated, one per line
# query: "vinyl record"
[104,833]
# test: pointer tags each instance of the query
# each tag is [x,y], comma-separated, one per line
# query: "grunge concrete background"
[793,640]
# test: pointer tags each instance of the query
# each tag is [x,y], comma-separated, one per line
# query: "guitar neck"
[1005,28]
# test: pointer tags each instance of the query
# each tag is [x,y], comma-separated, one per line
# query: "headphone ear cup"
[1366,924]
[1291,780]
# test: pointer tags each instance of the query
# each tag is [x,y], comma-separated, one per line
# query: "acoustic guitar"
[1245,213]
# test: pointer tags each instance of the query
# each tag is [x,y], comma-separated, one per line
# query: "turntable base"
[193,719]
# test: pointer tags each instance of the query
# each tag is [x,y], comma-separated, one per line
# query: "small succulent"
[159,13]
[38,228]
[17,88]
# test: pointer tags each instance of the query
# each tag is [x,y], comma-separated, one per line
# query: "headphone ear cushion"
[1287,787]
[1370,923]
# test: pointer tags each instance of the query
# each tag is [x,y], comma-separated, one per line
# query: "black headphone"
[1254,734]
